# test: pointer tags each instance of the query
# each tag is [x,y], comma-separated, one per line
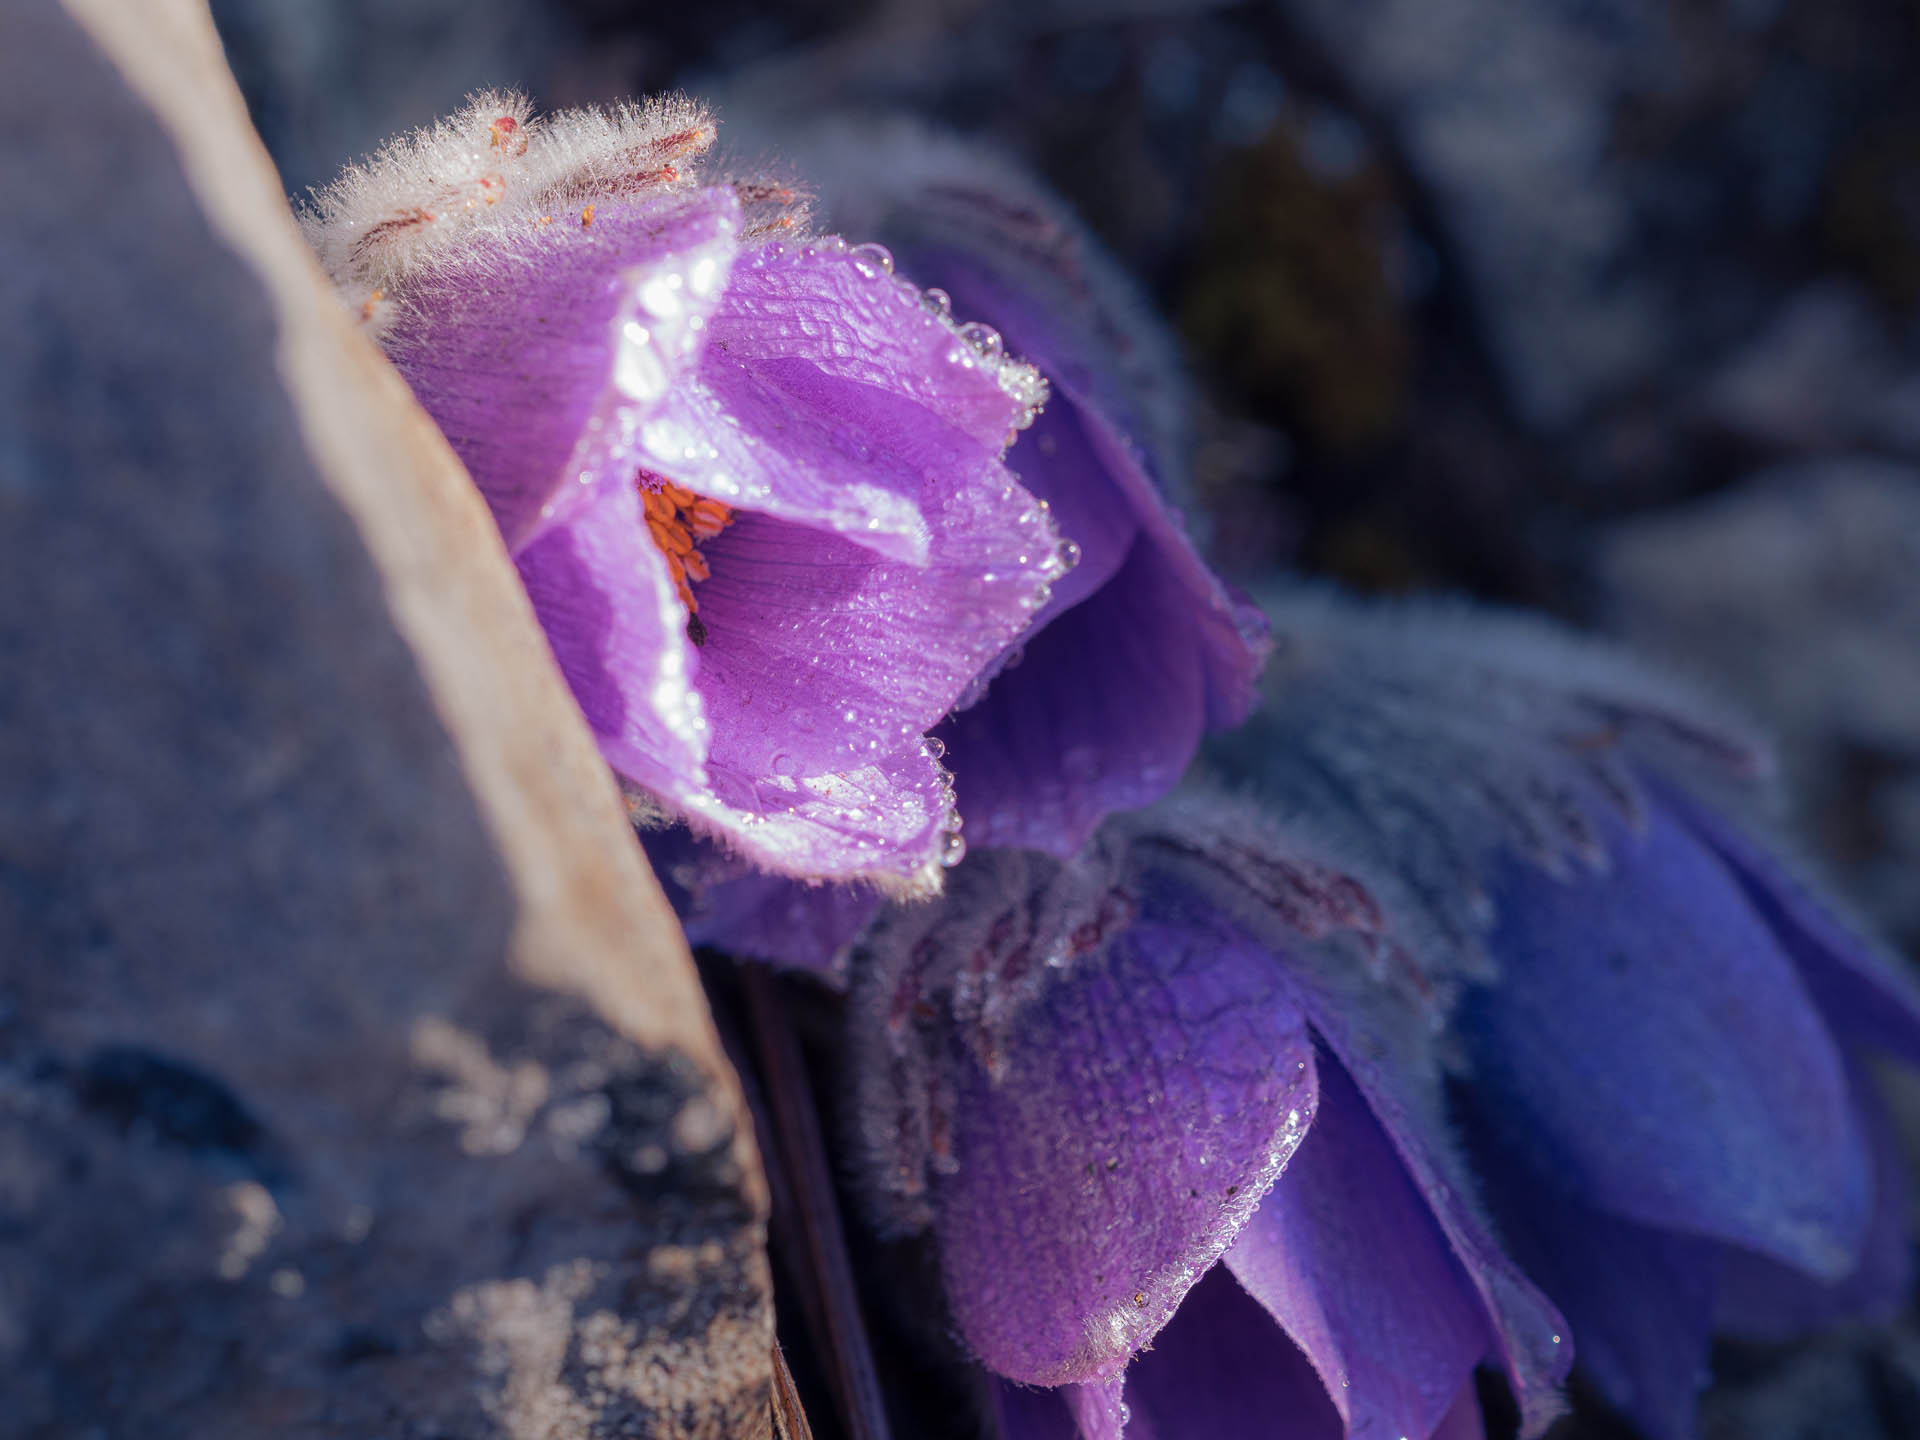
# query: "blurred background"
[1605,308]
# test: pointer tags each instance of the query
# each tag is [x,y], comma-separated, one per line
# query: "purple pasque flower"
[1101,703]
[1172,1110]
[1142,649]
[1664,1032]
[753,485]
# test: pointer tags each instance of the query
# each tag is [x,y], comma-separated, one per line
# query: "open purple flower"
[1172,1110]
[1142,649]
[754,487]
[1664,1032]
[1100,704]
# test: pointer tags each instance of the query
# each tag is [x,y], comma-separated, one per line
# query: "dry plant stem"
[789,1419]
[797,1141]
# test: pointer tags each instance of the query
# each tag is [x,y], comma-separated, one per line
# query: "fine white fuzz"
[492,169]
[1432,738]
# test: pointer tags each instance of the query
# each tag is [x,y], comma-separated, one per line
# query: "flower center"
[678,520]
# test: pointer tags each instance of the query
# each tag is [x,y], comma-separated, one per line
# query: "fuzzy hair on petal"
[491,167]
[1433,736]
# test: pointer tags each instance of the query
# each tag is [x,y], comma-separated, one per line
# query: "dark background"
[1598,307]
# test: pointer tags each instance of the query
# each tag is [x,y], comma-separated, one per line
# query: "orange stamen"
[676,518]
[586,217]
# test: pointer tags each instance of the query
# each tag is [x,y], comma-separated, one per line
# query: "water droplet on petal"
[784,764]
[871,260]
[1069,553]
[953,848]
[936,747]
[984,339]
[938,301]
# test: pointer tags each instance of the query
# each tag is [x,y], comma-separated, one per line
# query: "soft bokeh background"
[1606,308]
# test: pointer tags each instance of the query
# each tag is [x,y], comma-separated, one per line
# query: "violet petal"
[617,630]
[514,355]
[1099,1411]
[1102,714]
[1347,1258]
[1026,1413]
[1639,1300]
[1223,1369]
[819,654]
[751,915]
[839,402]
[1866,995]
[1464,1421]
[1145,1104]
[1056,460]
[1760,1299]
[1659,1052]
[1376,1044]
[886,819]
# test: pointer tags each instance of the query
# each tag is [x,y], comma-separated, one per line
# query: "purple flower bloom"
[1663,1027]
[754,488]
[1141,650]
[1101,703]
[1512,1034]
[1087,1077]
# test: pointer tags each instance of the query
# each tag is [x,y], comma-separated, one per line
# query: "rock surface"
[354,1079]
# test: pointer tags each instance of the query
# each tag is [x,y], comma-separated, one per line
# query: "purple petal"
[1109,704]
[819,654]
[1056,460]
[1100,1411]
[617,629]
[885,819]
[1639,1300]
[1650,1042]
[1106,456]
[1025,1413]
[729,905]
[865,332]
[838,401]
[614,622]
[1762,1300]
[1376,1045]
[1067,1412]
[1045,755]
[1464,1421]
[1347,1258]
[1144,1105]
[1222,1370]
[1866,995]
[514,355]
[1103,713]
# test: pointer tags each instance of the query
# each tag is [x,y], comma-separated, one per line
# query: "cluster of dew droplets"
[976,345]
[972,346]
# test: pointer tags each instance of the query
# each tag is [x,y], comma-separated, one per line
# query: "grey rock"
[1818,376]
[1505,113]
[354,1080]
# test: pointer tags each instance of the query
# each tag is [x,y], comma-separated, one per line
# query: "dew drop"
[984,339]
[871,260]
[1069,553]
[936,747]
[938,301]
[953,848]
[784,764]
